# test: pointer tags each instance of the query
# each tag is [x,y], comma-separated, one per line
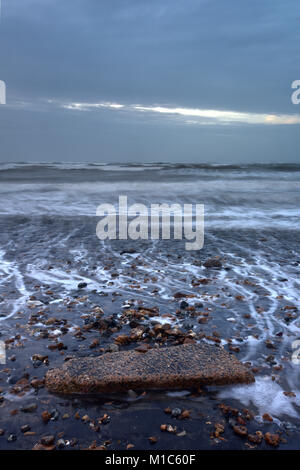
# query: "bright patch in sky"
[200,116]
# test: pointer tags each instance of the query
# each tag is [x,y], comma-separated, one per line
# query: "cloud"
[89,106]
[200,116]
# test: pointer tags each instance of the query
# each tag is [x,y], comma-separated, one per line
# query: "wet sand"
[249,306]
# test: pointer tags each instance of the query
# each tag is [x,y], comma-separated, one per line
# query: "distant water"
[235,196]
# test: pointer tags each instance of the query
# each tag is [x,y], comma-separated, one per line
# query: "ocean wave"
[33,166]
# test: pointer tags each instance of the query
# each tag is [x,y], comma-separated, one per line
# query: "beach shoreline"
[240,306]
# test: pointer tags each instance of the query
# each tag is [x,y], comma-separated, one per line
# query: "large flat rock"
[175,367]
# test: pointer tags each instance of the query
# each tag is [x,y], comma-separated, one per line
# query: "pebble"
[37,383]
[240,430]
[168,428]
[46,416]
[29,408]
[219,429]
[47,440]
[185,414]
[183,304]
[255,438]
[34,303]
[267,417]
[82,285]
[54,415]
[132,394]
[61,443]
[176,412]
[212,263]
[289,394]
[272,439]
[25,428]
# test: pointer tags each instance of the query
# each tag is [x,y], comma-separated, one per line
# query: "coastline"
[57,320]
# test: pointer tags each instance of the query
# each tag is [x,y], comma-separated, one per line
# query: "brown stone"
[46,416]
[47,440]
[212,263]
[37,383]
[175,367]
[289,394]
[185,414]
[272,439]
[240,430]
[143,348]
[255,438]
[122,339]
[267,417]
[179,295]
[219,429]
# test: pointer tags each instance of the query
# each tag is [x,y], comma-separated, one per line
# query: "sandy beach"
[64,294]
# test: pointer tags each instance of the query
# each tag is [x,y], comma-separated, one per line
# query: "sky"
[150,80]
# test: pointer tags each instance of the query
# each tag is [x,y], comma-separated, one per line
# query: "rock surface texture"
[174,367]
